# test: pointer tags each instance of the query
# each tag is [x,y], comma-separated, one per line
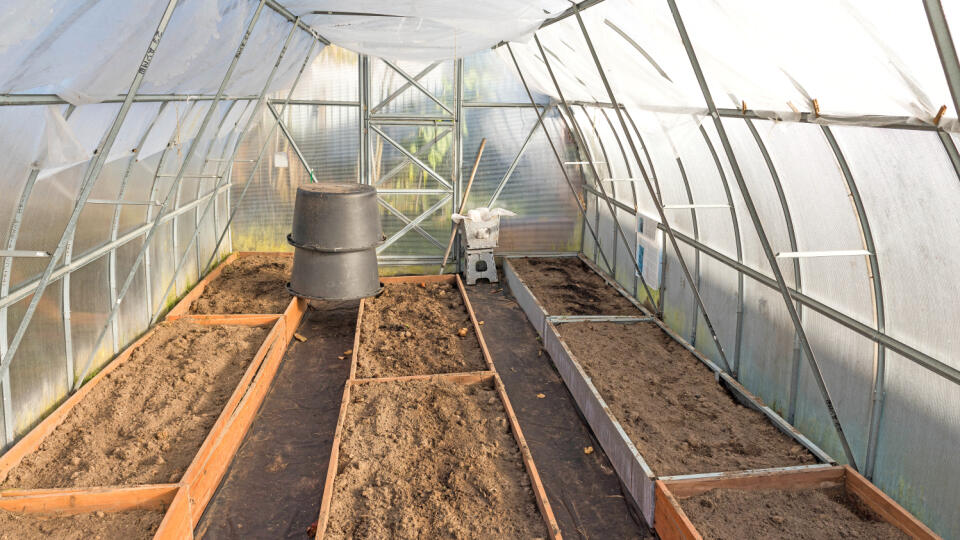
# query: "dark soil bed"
[679,418]
[807,514]
[129,525]
[430,460]
[251,284]
[414,329]
[567,286]
[144,422]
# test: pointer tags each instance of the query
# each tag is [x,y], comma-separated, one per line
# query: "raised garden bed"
[192,366]
[568,286]
[146,421]
[129,525]
[670,405]
[244,283]
[434,456]
[833,502]
[419,325]
[692,449]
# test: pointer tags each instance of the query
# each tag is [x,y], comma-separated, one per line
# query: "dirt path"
[144,422]
[251,284]
[413,330]
[131,525]
[427,459]
[809,514]
[567,286]
[670,405]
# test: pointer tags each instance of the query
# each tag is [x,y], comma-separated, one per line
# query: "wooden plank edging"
[468,378]
[673,523]
[187,499]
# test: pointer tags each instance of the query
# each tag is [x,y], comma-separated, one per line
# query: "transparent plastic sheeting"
[754,52]
[87,52]
[424,29]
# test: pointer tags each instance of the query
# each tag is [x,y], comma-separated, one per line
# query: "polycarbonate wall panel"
[912,207]
[763,191]
[38,375]
[718,289]
[766,354]
[824,218]
[333,75]
[919,436]
[846,360]
[329,138]
[679,304]
[547,218]
[89,305]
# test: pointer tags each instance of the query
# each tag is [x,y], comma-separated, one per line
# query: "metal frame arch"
[764,241]
[876,402]
[797,279]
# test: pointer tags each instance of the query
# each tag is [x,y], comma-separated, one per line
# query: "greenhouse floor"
[275,483]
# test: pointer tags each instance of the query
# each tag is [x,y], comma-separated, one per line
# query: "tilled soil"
[144,422]
[251,284]
[679,418]
[808,514]
[567,286]
[423,459]
[414,330]
[129,525]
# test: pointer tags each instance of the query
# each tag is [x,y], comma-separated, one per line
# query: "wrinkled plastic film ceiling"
[842,148]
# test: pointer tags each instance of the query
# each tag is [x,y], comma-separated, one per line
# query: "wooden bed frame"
[673,523]
[467,378]
[185,500]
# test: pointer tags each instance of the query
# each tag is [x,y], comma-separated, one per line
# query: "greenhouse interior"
[504,269]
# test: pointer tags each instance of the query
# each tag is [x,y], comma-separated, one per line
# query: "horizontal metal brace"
[23,253]
[235,161]
[114,201]
[806,254]
[322,102]
[495,105]
[413,191]
[693,206]
[53,99]
[560,319]
[583,162]
[410,119]
[189,175]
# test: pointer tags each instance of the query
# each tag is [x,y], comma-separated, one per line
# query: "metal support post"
[879,369]
[764,241]
[798,282]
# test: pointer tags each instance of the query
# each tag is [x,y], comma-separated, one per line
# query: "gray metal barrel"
[344,275]
[336,216]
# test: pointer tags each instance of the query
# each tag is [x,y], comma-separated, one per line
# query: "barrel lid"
[337,188]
